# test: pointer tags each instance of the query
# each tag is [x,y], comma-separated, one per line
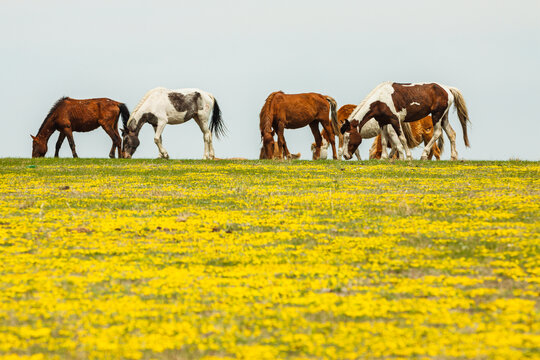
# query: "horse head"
[39,147]
[324,150]
[130,143]
[351,139]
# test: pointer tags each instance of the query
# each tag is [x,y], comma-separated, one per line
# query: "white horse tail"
[459,103]
[217,126]
[333,112]
[407,131]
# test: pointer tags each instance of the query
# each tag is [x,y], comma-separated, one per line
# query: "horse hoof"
[424,158]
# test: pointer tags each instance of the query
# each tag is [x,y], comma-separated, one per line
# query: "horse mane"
[363,102]
[265,112]
[51,112]
[142,102]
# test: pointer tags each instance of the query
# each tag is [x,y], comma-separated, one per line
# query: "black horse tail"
[125,114]
[217,126]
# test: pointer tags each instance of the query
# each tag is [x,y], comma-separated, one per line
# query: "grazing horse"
[68,115]
[415,132]
[292,111]
[393,103]
[342,115]
[161,106]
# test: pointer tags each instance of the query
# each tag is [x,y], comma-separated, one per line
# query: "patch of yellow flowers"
[266,260]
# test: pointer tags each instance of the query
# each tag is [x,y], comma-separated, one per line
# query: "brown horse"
[415,132]
[292,111]
[68,115]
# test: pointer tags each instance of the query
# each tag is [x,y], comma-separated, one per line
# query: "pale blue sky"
[242,50]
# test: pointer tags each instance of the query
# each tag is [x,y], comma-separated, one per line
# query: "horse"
[161,106]
[292,111]
[68,115]
[342,115]
[415,132]
[394,103]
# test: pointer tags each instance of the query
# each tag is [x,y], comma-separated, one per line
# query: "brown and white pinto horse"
[292,111]
[68,115]
[393,103]
[415,132]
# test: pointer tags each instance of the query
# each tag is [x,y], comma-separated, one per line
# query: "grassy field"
[159,259]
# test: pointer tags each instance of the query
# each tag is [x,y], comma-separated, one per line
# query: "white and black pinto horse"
[161,106]
[390,104]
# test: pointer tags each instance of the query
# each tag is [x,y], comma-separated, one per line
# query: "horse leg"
[437,132]
[426,136]
[451,135]
[403,140]
[116,139]
[59,142]
[384,143]
[285,150]
[69,134]
[331,136]
[314,126]
[157,139]
[395,140]
[340,147]
[282,144]
[202,121]
[325,144]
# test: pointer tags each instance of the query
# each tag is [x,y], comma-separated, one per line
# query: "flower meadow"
[154,259]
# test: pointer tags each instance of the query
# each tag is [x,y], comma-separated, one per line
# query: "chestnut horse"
[415,132]
[68,115]
[391,104]
[292,111]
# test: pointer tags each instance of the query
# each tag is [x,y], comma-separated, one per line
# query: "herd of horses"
[398,116]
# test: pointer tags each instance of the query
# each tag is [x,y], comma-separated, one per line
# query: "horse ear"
[33,137]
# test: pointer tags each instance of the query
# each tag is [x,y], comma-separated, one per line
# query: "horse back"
[88,114]
[419,100]
[299,110]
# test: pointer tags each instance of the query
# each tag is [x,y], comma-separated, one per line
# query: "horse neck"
[138,125]
[46,130]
